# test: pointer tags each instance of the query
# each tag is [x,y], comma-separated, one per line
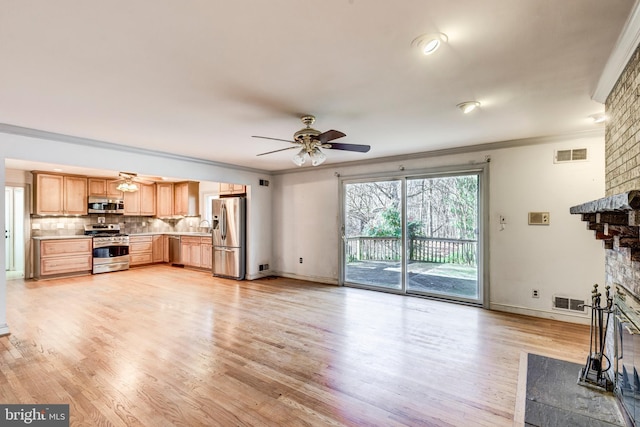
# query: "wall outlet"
[535,293]
[300,260]
[263,267]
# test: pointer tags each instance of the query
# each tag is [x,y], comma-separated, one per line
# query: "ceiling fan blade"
[274,139]
[349,147]
[275,151]
[330,135]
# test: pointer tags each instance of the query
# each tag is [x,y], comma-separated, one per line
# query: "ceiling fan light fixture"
[317,157]
[468,106]
[127,186]
[299,158]
[429,43]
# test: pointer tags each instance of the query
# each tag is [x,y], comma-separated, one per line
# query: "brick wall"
[622,156]
[622,135]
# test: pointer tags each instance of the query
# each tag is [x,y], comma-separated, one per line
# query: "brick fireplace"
[615,219]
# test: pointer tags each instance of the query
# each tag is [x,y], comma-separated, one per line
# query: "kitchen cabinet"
[164,199]
[206,260]
[58,257]
[186,198]
[157,249]
[165,252]
[102,187]
[190,251]
[141,202]
[140,250]
[60,194]
[177,199]
[227,189]
[196,251]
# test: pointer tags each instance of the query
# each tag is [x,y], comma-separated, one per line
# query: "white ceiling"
[199,77]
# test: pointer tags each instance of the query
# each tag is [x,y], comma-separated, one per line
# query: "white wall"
[41,149]
[562,258]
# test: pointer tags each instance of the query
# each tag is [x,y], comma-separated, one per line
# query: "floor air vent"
[575,155]
[569,304]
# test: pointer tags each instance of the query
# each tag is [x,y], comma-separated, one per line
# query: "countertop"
[76,236]
[169,233]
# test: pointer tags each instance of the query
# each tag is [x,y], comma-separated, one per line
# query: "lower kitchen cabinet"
[196,251]
[206,250]
[190,251]
[62,257]
[140,250]
[158,248]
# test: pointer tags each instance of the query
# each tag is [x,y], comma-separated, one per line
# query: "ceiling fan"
[310,141]
[128,181]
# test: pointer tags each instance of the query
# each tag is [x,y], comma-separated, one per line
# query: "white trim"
[463,149]
[625,46]
[315,279]
[545,314]
[4,330]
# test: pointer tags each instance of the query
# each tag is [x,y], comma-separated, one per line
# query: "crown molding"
[87,142]
[626,45]
[466,149]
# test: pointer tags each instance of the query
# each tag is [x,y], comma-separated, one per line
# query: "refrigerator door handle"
[223,226]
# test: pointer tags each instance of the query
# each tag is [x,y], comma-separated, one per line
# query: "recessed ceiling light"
[598,118]
[468,106]
[429,43]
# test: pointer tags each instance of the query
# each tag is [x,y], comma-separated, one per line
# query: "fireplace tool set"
[593,372]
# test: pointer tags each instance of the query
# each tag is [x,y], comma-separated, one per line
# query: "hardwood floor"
[163,346]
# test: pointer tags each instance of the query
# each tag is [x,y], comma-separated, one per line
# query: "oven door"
[110,258]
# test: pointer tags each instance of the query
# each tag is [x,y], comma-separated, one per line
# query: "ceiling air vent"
[575,155]
[568,304]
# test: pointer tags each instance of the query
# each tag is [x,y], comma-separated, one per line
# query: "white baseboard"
[545,314]
[4,329]
[260,275]
[317,279]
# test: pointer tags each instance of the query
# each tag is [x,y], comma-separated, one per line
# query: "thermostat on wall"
[538,218]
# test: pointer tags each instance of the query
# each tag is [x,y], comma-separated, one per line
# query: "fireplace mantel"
[615,220]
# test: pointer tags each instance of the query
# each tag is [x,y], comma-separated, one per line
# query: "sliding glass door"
[372,234]
[442,236]
[415,234]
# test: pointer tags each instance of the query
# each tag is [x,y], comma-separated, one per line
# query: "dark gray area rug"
[554,397]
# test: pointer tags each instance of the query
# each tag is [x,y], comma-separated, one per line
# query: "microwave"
[102,205]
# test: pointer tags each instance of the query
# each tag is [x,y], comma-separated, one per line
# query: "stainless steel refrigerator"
[228,236]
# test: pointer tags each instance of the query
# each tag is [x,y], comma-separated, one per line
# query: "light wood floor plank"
[163,346]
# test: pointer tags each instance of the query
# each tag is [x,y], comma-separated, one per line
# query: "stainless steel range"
[110,247]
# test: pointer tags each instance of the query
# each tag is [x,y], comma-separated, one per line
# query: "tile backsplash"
[70,226]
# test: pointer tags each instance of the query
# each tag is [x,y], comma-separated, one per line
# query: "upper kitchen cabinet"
[186,198]
[101,187]
[60,194]
[227,189]
[177,199]
[164,199]
[141,202]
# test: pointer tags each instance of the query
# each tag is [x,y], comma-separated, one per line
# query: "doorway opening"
[14,205]
[420,235]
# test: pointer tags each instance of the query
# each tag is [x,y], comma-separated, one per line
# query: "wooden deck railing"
[422,249]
